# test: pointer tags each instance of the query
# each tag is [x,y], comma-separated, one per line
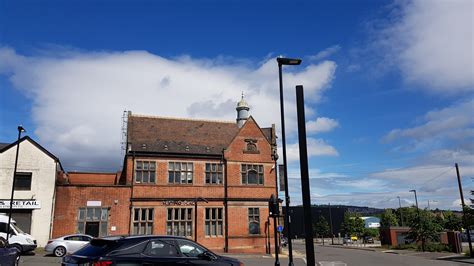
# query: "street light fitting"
[288,61]
[21,128]
[412,190]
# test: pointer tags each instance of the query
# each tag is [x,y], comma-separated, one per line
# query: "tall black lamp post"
[20,129]
[196,215]
[419,219]
[290,62]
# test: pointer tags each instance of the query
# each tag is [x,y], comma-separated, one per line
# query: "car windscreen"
[17,228]
[97,247]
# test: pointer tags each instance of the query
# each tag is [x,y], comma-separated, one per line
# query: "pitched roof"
[183,136]
[3,145]
[8,146]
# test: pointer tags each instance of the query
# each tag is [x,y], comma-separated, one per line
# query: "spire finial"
[242,94]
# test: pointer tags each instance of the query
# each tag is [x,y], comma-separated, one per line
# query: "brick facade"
[249,145]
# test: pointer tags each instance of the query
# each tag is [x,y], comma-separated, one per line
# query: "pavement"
[440,256]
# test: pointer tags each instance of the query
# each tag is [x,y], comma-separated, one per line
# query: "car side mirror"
[12,232]
[207,256]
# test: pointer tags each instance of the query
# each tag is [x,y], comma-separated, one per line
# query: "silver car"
[67,244]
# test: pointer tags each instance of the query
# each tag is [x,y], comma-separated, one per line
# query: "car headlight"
[29,241]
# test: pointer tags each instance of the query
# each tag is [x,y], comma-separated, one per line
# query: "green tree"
[359,226]
[373,232]
[388,218]
[352,225]
[452,221]
[424,229]
[347,225]
[321,228]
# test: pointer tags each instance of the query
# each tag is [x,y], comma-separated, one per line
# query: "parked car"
[146,250]
[368,240]
[8,256]
[66,244]
[18,239]
[284,241]
[347,240]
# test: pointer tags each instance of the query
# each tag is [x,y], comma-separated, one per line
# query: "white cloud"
[454,123]
[321,124]
[326,52]
[79,96]
[431,42]
[315,147]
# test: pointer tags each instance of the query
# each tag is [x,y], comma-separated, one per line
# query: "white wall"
[43,169]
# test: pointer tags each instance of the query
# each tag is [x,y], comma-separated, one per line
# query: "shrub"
[435,247]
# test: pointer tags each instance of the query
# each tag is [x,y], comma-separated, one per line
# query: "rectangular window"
[213,226]
[179,222]
[254,221]
[180,173]
[93,221]
[213,173]
[252,174]
[23,181]
[145,172]
[143,221]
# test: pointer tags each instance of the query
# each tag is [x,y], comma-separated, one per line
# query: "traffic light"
[273,206]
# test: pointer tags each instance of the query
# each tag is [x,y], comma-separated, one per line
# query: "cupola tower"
[242,111]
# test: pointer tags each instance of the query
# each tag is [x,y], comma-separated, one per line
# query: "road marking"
[332,263]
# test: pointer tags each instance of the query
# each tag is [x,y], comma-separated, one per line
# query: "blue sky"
[389,91]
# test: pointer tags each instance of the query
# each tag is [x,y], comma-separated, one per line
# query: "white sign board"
[94,203]
[21,204]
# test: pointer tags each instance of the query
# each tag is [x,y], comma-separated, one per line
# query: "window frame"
[211,169]
[210,220]
[145,223]
[102,218]
[150,170]
[259,169]
[177,173]
[19,176]
[177,222]
[254,217]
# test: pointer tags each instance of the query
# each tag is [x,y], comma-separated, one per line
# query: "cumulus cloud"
[315,147]
[79,96]
[321,124]
[326,53]
[431,43]
[454,123]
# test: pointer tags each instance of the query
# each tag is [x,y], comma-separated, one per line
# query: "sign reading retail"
[21,204]
[178,203]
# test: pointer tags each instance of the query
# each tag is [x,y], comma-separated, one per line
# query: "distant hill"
[363,211]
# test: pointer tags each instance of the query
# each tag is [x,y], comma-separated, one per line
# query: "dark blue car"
[8,256]
[146,250]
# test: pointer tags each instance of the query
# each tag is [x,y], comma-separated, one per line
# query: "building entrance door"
[92,229]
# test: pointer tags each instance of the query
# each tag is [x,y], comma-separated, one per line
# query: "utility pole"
[305,186]
[400,209]
[464,211]
[330,223]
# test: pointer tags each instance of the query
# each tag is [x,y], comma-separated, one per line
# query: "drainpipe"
[226,218]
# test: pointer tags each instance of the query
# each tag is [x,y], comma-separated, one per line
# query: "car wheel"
[59,251]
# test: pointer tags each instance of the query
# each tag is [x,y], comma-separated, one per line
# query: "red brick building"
[206,180]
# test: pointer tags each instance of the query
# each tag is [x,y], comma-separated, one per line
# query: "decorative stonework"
[251,146]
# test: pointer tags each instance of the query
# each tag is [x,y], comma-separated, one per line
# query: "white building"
[34,196]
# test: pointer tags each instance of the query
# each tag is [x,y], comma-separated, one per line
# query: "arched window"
[252,174]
